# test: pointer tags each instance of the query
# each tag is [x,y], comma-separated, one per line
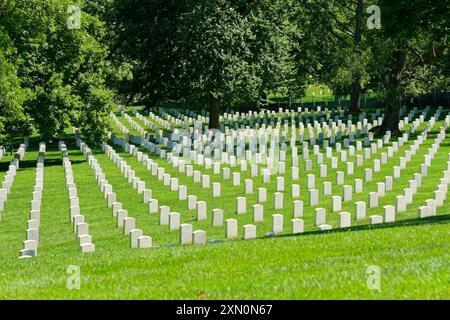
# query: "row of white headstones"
[8,179]
[334,200]
[31,243]
[199,236]
[164,179]
[260,118]
[308,163]
[280,180]
[237,118]
[389,211]
[258,157]
[127,223]
[79,225]
[255,118]
[172,219]
[251,136]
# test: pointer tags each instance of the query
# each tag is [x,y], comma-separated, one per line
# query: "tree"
[13,121]
[408,50]
[334,33]
[60,66]
[216,52]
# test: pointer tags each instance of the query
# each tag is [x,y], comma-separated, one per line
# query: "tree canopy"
[215,52]
[64,62]
[53,74]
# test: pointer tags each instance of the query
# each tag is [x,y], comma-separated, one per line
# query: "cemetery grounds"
[405,259]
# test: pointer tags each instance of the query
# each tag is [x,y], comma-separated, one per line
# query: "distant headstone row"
[207,147]
[79,225]
[8,179]
[171,219]
[263,152]
[30,245]
[125,222]
[217,214]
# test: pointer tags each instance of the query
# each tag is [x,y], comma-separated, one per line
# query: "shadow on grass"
[402,223]
[51,147]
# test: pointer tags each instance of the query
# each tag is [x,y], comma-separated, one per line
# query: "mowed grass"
[413,254]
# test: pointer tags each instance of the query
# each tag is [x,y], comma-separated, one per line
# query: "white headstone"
[174,221]
[295,191]
[344,220]
[360,210]
[192,202]
[153,206]
[319,216]
[82,229]
[258,213]
[129,224]
[199,237]
[336,203]
[347,193]
[297,208]
[381,189]
[121,215]
[236,179]
[216,189]
[389,214]
[217,217]
[262,195]
[186,233]
[164,215]
[231,228]
[241,205]
[313,197]
[424,212]
[277,223]
[310,181]
[373,200]
[400,203]
[201,210]
[182,193]
[358,184]
[375,219]
[248,186]
[135,234]
[249,231]
[144,242]
[116,206]
[297,226]
[278,200]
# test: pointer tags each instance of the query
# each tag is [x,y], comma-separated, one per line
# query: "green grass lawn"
[319,94]
[412,254]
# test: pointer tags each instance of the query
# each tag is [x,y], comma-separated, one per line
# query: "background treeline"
[216,53]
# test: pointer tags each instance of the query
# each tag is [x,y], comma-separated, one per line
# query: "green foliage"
[221,53]
[419,30]
[331,51]
[12,119]
[61,69]
[232,51]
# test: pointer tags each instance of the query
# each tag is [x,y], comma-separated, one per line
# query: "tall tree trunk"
[393,101]
[214,111]
[355,106]
[150,104]
[391,117]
